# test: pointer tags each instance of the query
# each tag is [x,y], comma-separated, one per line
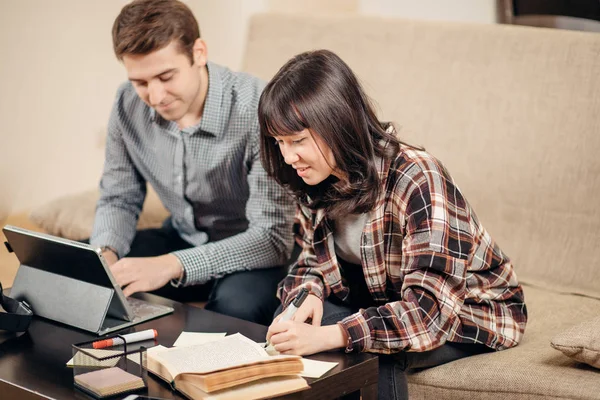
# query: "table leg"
[369,392]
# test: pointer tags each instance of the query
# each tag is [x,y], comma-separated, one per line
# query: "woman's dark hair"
[316,90]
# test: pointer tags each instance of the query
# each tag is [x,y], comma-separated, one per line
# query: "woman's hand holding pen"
[311,308]
[294,336]
[299,338]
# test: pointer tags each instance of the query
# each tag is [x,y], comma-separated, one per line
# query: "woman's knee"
[239,307]
[238,298]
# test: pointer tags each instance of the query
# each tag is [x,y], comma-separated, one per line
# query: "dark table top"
[36,360]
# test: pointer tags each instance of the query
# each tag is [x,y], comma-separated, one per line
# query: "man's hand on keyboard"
[145,274]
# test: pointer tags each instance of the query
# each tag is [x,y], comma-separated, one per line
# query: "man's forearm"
[114,227]
[122,194]
[254,248]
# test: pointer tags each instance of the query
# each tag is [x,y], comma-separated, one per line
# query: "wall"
[58,77]
[483,11]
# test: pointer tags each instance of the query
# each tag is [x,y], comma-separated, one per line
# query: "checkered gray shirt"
[208,176]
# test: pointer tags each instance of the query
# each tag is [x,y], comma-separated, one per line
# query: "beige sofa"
[514,113]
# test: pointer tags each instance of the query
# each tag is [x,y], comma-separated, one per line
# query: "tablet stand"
[63,299]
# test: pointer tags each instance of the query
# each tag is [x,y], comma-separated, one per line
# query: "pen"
[292,308]
[129,338]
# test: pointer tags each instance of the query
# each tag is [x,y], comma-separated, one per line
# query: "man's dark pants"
[249,295]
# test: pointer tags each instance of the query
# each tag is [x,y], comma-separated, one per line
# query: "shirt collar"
[212,121]
[383,164]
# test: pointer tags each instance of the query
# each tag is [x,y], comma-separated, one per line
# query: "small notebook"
[81,359]
[109,381]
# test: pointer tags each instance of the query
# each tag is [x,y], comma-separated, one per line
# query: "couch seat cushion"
[532,370]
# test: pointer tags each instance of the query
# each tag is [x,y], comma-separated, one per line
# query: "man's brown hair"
[144,26]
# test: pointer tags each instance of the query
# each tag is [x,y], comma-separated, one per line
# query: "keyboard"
[143,309]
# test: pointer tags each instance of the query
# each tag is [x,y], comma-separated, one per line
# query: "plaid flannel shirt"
[434,272]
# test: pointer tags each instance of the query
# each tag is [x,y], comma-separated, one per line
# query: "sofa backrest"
[513,112]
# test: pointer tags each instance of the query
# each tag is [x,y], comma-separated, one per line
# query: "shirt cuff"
[312,289]
[359,332]
[195,267]
[349,346]
[120,246]
[179,281]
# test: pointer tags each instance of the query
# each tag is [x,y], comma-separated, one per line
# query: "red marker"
[129,338]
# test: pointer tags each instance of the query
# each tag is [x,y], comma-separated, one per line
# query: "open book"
[233,367]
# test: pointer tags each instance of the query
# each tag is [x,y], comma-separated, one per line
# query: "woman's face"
[309,155]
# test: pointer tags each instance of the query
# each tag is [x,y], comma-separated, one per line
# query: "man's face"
[168,81]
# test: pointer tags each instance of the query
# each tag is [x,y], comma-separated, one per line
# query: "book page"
[315,368]
[231,351]
[193,338]
[261,389]
[312,368]
[155,366]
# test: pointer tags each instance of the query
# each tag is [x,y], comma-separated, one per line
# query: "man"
[189,128]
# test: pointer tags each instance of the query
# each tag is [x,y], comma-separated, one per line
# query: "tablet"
[63,263]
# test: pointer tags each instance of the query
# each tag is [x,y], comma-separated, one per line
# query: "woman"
[394,257]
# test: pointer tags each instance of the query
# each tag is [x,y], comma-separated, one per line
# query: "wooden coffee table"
[32,366]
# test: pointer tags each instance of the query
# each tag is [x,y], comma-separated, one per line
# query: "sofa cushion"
[532,370]
[581,342]
[72,216]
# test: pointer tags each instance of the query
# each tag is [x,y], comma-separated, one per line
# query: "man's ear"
[200,52]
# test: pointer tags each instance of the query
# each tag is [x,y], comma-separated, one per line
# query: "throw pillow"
[72,216]
[581,342]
